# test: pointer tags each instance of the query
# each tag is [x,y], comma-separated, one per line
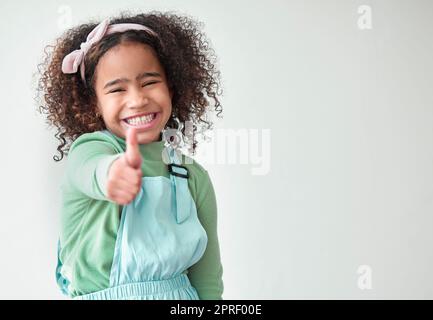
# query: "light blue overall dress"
[159,237]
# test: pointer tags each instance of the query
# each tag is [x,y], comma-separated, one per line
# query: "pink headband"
[76,58]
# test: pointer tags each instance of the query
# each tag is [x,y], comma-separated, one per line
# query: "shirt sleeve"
[88,165]
[206,274]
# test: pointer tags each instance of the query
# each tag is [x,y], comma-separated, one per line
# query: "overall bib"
[159,237]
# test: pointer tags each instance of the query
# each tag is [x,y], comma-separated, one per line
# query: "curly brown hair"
[182,49]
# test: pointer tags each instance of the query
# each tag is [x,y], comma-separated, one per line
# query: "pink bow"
[75,58]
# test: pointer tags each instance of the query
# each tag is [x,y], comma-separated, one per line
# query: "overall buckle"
[178,174]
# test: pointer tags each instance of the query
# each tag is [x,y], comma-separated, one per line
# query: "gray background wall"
[349,111]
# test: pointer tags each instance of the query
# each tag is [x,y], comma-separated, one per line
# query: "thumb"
[133,156]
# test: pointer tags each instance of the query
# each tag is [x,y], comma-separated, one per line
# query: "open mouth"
[143,121]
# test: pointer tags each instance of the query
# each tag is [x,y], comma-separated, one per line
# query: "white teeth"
[141,120]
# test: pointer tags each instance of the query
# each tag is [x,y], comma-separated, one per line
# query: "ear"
[98,109]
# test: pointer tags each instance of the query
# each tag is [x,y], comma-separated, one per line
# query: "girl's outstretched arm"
[87,166]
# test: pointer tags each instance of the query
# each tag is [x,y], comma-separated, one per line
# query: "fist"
[124,176]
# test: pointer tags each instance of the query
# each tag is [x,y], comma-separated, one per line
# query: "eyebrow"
[139,77]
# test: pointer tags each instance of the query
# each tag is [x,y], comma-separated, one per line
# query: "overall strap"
[179,180]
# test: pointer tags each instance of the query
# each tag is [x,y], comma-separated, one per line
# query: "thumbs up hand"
[124,176]
[132,154]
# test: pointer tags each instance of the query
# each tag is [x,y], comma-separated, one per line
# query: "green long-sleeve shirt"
[90,221]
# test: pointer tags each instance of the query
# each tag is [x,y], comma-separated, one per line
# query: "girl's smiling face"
[132,90]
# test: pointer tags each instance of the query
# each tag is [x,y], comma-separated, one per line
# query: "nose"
[137,99]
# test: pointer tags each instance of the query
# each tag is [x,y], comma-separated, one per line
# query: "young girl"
[133,227]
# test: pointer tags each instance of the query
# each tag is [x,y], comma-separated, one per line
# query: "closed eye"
[116,90]
[149,83]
